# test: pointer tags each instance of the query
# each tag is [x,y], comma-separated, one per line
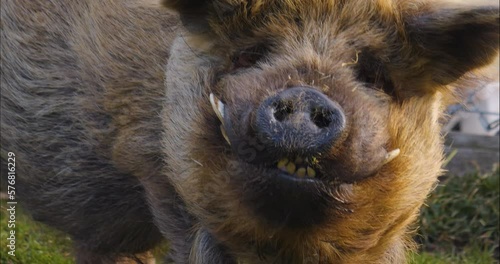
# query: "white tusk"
[218,107]
[224,134]
[391,155]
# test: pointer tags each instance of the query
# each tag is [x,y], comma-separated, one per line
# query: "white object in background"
[485,100]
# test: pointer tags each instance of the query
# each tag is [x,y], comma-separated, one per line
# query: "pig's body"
[65,64]
[120,151]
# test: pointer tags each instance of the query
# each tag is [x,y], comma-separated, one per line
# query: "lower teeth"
[291,168]
[301,172]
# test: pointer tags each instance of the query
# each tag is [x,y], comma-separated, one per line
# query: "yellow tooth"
[282,164]
[290,168]
[224,134]
[311,172]
[391,155]
[301,172]
[299,160]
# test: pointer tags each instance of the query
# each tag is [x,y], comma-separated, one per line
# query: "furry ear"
[453,41]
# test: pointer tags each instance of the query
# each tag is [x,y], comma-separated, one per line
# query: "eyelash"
[373,74]
[249,57]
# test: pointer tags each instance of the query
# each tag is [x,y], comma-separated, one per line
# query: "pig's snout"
[300,121]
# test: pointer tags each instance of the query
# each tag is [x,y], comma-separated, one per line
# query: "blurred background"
[472,128]
[460,222]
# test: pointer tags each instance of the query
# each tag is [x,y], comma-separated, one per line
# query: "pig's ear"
[453,41]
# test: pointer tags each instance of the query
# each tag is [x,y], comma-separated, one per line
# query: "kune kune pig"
[240,131]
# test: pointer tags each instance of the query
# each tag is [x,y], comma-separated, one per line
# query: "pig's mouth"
[300,168]
[293,189]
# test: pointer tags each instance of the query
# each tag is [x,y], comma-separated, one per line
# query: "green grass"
[473,255]
[35,243]
[459,225]
[463,214]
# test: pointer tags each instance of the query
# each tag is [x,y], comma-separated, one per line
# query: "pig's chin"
[285,200]
[286,192]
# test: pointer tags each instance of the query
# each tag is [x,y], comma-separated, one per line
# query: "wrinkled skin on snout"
[259,131]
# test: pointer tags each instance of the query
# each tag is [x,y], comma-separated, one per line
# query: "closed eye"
[373,74]
[249,57]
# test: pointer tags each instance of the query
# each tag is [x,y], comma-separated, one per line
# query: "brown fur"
[115,149]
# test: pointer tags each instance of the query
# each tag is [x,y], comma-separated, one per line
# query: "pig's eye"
[374,75]
[248,57]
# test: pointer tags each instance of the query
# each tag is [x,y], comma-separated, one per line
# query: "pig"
[240,131]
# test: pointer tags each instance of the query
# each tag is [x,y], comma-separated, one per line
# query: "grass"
[473,255]
[459,225]
[463,215]
[35,243]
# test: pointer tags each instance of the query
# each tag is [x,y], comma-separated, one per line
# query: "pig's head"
[314,122]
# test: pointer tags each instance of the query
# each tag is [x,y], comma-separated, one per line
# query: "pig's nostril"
[282,109]
[321,117]
[300,121]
